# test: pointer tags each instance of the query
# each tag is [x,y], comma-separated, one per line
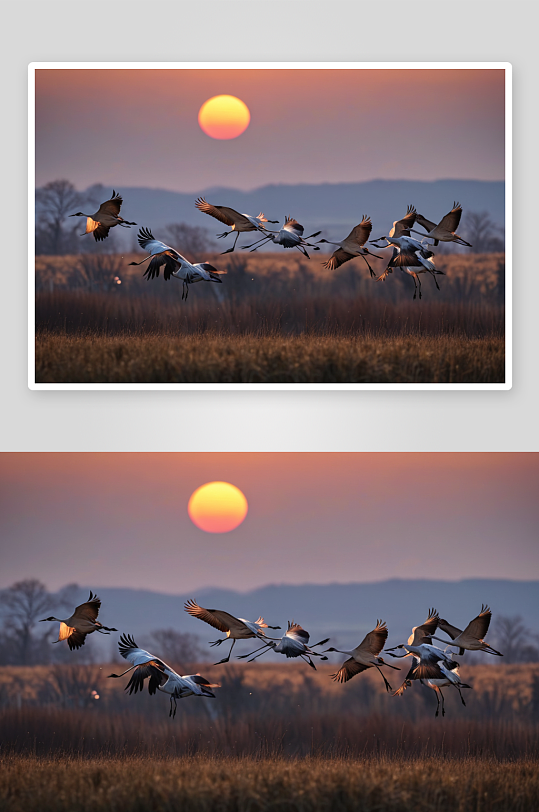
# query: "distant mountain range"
[343,611]
[334,207]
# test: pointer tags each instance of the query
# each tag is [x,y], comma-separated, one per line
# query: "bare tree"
[22,605]
[191,241]
[54,202]
[179,648]
[482,232]
[515,640]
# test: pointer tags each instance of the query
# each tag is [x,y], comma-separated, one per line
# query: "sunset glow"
[217,507]
[224,117]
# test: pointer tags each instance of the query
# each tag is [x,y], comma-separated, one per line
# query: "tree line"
[24,642]
[56,236]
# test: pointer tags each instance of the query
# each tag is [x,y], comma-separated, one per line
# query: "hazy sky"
[121,519]
[140,128]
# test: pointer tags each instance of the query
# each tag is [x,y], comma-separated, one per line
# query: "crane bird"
[421,634]
[161,676]
[230,217]
[451,677]
[82,622]
[446,229]
[290,236]
[471,639]
[352,246]
[236,628]
[409,253]
[175,264]
[294,643]
[365,656]
[106,217]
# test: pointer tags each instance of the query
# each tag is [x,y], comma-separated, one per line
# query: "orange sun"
[217,507]
[224,117]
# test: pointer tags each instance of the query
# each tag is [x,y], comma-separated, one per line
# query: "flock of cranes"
[412,256]
[432,666]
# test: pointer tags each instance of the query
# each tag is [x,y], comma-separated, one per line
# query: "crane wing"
[374,641]
[404,257]
[89,610]
[446,627]
[401,228]
[452,219]
[426,630]
[76,640]
[296,632]
[348,670]
[422,221]
[171,265]
[111,206]
[292,225]
[428,670]
[215,617]
[478,627]
[222,213]
[147,241]
[338,258]
[101,232]
[153,669]
[361,232]
[411,675]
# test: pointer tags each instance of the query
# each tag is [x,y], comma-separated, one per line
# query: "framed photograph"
[349,225]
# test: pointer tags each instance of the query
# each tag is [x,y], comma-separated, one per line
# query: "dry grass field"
[205,784]
[276,319]
[279,736]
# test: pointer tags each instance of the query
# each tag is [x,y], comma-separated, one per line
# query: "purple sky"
[121,519]
[139,127]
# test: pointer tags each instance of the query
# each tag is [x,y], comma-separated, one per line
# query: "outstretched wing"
[171,265]
[111,206]
[403,258]
[101,232]
[292,225]
[76,639]
[361,232]
[348,670]
[426,630]
[154,670]
[215,617]
[222,213]
[478,627]
[338,258]
[451,220]
[296,632]
[401,228]
[446,627]
[422,221]
[374,641]
[89,610]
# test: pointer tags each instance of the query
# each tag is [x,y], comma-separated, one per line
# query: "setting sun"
[217,507]
[224,117]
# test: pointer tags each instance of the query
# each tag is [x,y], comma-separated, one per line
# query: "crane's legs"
[243,248]
[226,659]
[244,656]
[229,251]
[388,686]
[308,659]
[461,697]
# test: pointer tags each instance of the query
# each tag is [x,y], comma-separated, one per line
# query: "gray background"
[250,30]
